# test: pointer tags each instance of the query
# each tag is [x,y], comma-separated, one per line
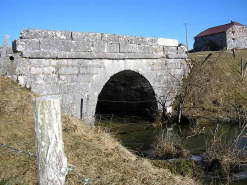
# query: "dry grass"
[225,157]
[169,148]
[96,154]
[215,89]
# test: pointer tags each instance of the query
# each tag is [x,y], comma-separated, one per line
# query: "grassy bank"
[95,153]
[215,90]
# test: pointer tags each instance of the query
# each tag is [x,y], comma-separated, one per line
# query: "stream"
[139,136]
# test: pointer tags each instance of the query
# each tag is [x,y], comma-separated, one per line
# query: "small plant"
[225,157]
[169,147]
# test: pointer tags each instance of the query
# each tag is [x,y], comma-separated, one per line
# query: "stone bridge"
[75,66]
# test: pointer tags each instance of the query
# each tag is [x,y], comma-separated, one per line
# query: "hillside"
[95,153]
[215,90]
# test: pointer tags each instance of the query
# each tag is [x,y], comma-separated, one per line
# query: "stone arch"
[103,74]
[128,93]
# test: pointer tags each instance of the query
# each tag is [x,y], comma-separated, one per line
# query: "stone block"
[65,45]
[36,71]
[45,34]
[157,49]
[22,80]
[9,50]
[83,78]
[83,46]
[40,62]
[25,44]
[134,48]
[68,99]
[131,48]
[39,79]
[167,42]
[49,70]
[170,50]
[137,40]
[68,70]
[86,36]
[123,39]
[39,54]
[151,41]
[67,109]
[111,38]
[65,79]
[72,62]
[38,88]
[125,48]
[178,56]
[52,89]
[113,56]
[181,50]
[102,47]
[59,63]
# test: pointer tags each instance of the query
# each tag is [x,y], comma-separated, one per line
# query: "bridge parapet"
[75,66]
[36,43]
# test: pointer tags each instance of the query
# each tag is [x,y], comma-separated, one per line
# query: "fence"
[51,160]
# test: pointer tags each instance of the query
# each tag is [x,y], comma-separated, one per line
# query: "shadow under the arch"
[128,93]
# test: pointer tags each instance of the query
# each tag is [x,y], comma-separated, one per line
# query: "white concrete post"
[51,160]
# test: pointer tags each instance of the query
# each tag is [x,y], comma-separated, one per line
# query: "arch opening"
[128,93]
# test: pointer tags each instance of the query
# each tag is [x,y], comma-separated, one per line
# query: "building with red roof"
[229,36]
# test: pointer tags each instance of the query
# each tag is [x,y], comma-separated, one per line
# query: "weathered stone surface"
[157,49]
[170,50]
[26,44]
[89,55]
[130,48]
[65,45]
[102,47]
[81,36]
[182,56]
[151,41]
[9,50]
[68,70]
[110,38]
[181,50]
[43,70]
[167,42]
[79,68]
[39,54]
[45,34]
[52,162]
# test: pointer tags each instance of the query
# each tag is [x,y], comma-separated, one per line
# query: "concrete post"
[3,53]
[51,160]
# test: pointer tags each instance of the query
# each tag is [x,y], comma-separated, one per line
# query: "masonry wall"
[237,37]
[74,66]
[201,43]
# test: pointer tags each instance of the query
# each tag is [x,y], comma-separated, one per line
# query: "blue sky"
[148,18]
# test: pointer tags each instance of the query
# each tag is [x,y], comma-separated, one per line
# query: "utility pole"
[186,38]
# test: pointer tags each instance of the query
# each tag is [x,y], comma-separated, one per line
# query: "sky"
[146,18]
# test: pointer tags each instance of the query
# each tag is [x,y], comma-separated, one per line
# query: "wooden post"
[209,55]
[233,52]
[51,160]
[244,73]
[242,65]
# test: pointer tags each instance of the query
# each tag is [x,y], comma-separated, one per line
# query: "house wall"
[201,42]
[236,37]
